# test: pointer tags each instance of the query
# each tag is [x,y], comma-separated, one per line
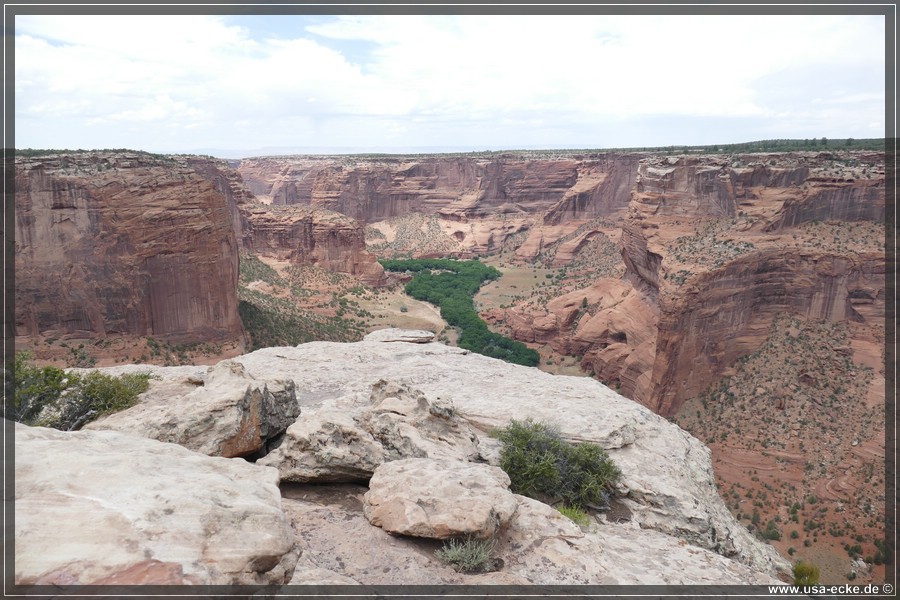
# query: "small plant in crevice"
[574,514]
[468,555]
[805,573]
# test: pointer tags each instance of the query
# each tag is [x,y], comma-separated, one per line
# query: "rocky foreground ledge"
[379,449]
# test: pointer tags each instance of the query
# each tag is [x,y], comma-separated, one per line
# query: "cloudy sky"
[243,85]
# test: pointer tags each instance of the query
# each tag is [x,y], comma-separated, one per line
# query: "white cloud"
[370,77]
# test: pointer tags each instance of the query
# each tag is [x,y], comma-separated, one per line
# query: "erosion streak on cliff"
[119,244]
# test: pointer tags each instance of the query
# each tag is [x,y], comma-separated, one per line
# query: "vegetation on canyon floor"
[270,306]
[52,397]
[812,412]
[451,285]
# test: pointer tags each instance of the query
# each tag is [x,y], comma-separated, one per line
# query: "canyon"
[675,279]
[668,276]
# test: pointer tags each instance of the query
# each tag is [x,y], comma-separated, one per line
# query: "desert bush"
[35,388]
[52,397]
[543,466]
[468,555]
[805,574]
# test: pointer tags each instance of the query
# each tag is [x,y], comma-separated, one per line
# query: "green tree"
[36,387]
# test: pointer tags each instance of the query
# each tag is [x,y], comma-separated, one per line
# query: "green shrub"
[805,574]
[543,466]
[468,555]
[51,397]
[771,532]
[35,388]
[575,514]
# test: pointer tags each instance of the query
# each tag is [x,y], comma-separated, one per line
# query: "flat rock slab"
[439,499]
[546,548]
[667,474]
[103,507]
[413,336]
[538,546]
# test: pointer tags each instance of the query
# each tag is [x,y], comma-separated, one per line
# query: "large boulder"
[224,412]
[348,442]
[439,498]
[102,507]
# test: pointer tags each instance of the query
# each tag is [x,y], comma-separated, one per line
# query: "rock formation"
[306,236]
[106,508]
[225,413]
[123,244]
[713,249]
[341,445]
[479,201]
[439,499]
[667,483]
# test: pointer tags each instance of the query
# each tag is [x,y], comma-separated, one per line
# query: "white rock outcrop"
[546,548]
[369,404]
[102,507]
[222,412]
[439,499]
[348,444]
[538,546]
[667,477]
[413,336]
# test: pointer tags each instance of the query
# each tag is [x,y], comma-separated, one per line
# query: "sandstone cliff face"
[123,243]
[786,189]
[714,248]
[227,181]
[740,277]
[724,314]
[457,189]
[308,236]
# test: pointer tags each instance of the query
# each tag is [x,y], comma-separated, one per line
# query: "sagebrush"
[541,465]
[468,555]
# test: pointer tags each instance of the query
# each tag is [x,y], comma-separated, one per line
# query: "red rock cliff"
[769,237]
[123,244]
[714,248]
[312,237]
[457,188]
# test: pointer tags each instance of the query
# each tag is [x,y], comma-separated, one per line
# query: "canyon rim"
[659,288]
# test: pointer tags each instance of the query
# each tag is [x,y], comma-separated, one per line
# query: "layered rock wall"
[123,243]
[727,313]
[729,302]
[457,188]
[308,236]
